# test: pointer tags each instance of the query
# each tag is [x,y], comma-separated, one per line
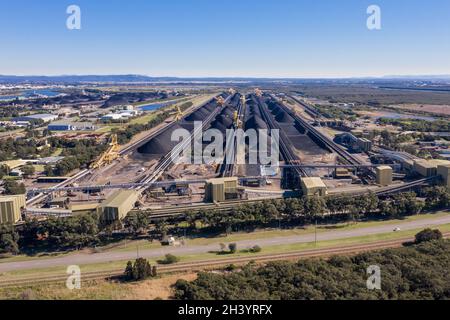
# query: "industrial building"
[221,189]
[364,144]
[71,126]
[40,116]
[353,143]
[342,173]
[83,208]
[117,206]
[11,208]
[444,172]
[384,175]
[313,186]
[428,168]
[112,117]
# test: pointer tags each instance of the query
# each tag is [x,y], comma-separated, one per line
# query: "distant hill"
[134,78]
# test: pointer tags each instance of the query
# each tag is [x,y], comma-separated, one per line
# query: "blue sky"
[259,38]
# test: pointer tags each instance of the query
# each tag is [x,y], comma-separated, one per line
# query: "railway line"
[36,197]
[284,144]
[216,263]
[227,168]
[167,160]
[344,154]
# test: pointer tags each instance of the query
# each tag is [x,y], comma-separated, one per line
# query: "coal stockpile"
[294,131]
[162,144]
[255,122]
[283,117]
[202,113]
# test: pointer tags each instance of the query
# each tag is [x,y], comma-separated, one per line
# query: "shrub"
[169,259]
[256,249]
[140,270]
[232,247]
[428,235]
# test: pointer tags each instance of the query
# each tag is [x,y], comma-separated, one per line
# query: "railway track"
[217,263]
[227,168]
[38,197]
[285,145]
[167,160]
[344,154]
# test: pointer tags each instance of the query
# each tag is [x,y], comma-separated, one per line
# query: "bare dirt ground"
[156,288]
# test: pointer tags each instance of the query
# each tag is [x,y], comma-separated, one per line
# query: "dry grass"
[157,288]
[428,108]
[160,288]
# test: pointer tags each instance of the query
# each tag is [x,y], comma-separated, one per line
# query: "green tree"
[28,171]
[428,235]
[14,188]
[136,222]
[4,170]
[9,239]
[140,270]
[232,247]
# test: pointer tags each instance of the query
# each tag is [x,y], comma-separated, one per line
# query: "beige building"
[384,175]
[83,208]
[444,172]
[313,186]
[221,189]
[117,206]
[11,208]
[428,168]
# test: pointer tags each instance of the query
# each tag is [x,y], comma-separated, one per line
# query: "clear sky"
[258,38]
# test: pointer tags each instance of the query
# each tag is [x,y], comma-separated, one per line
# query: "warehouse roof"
[119,197]
[313,182]
[84,206]
[38,116]
[431,163]
[13,164]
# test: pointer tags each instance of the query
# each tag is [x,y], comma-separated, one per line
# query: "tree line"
[415,272]
[306,210]
[87,230]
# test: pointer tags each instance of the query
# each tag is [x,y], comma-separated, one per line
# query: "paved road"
[105,257]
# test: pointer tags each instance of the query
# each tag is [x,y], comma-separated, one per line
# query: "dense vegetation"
[22,148]
[332,112]
[77,153]
[418,124]
[12,187]
[416,272]
[300,211]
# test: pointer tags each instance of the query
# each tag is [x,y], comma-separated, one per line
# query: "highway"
[105,257]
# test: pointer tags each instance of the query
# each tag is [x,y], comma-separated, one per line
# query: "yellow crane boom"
[109,155]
